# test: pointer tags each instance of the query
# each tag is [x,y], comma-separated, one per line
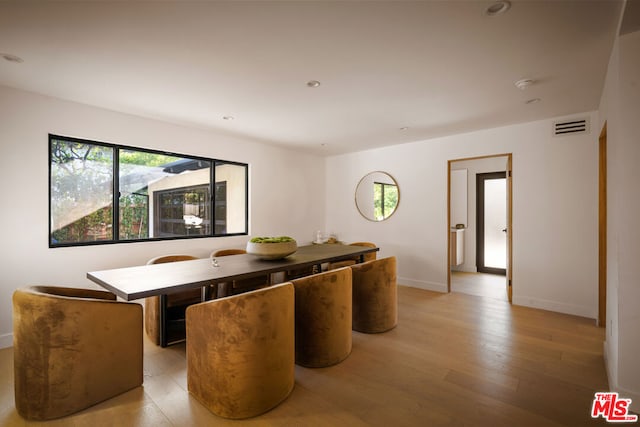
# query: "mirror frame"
[395,182]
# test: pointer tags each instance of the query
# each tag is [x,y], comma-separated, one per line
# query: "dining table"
[143,281]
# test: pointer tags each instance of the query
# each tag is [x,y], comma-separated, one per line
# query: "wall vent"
[571,127]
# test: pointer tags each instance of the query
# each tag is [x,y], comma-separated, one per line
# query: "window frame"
[115,189]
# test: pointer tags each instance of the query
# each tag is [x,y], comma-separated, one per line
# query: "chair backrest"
[152,307]
[240,351]
[323,318]
[242,285]
[72,348]
[375,295]
[170,258]
[226,252]
[58,291]
[369,256]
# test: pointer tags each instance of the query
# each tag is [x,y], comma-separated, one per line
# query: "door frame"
[509,278]
[602,227]
[480,178]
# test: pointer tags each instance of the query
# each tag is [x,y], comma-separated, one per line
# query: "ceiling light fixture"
[11,58]
[313,83]
[228,118]
[404,128]
[532,101]
[524,83]
[497,8]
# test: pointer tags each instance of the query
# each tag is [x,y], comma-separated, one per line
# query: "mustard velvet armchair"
[375,295]
[349,262]
[323,318]
[73,348]
[240,351]
[152,304]
[239,286]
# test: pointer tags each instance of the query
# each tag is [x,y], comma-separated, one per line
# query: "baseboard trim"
[607,370]
[613,384]
[421,284]
[6,340]
[628,394]
[558,307]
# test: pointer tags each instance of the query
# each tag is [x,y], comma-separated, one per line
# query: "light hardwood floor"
[453,360]
[479,284]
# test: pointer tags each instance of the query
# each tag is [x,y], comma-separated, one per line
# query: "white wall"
[620,108]
[554,210]
[283,198]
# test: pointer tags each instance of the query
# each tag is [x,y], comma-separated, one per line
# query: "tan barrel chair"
[73,348]
[375,295]
[240,351]
[349,262]
[239,286]
[323,318]
[176,301]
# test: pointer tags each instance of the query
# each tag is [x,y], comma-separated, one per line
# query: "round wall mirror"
[377,196]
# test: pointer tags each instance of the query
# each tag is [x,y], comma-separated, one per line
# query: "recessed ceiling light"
[497,8]
[524,83]
[228,118]
[532,101]
[11,58]
[313,83]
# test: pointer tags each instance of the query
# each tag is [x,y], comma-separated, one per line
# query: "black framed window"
[156,195]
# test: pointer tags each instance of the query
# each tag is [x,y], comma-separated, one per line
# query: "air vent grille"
[571,127]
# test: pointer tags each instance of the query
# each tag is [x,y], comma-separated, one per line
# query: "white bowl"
[272,250]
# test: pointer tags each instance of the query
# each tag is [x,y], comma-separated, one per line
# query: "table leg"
[163,320]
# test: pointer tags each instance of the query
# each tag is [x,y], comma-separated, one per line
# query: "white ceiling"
[435,67]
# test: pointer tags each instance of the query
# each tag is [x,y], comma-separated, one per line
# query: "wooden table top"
[143,281]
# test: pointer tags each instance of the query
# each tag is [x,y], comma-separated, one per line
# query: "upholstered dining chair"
[348,262]
[240,351]
[176,301]
[239,286]
[73,348]
[323,318]
[375,295]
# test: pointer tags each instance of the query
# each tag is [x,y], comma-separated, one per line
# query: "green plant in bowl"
[279,239]
[271,247]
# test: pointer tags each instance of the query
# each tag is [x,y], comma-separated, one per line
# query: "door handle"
[504,230]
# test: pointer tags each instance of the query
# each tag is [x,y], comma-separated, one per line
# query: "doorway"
[491,220]
[462,230]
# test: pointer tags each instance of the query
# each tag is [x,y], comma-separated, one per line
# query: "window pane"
[390,199]
[377,201]
[495,220]
[230,198]
[81,192]
[159,195]
[385,200]
[163,196]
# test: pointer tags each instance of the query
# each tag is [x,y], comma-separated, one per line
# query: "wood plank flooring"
[453,360]
[480,284]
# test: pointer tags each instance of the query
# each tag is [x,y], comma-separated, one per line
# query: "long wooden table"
[131,283]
